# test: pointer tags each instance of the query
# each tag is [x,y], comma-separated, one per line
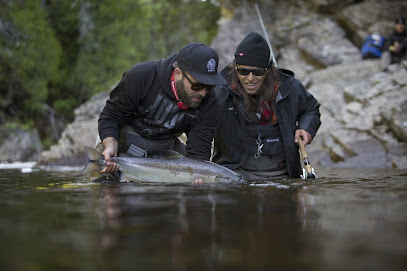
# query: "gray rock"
[325,42]
[20,145]
[366,17]
[367,113]
[82,132]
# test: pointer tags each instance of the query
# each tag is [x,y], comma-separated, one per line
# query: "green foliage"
[134,31]
[65,105]
[61,52]
[15,125]
[47,142]
[29,58]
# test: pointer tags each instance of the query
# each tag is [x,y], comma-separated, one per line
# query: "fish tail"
[95,161]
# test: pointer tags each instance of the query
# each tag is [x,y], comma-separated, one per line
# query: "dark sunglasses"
[198,86]
[246,72]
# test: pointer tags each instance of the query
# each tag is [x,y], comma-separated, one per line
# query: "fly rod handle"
[302,149]
[305,159]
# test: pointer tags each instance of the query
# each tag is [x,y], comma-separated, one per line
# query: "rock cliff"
[363,109]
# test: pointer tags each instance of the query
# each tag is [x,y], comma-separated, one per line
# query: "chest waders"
[156,126]
[266,156]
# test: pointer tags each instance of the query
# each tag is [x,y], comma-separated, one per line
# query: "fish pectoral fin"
[100,178]
[115,176]
[96,177]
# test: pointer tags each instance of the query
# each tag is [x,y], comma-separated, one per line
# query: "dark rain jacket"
[295,108]
[400,38]
[143,99]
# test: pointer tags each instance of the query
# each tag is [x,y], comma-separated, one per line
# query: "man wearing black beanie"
[396,44]
[265,110]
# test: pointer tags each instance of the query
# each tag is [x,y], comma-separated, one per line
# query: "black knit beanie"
[253,50]
[400,20]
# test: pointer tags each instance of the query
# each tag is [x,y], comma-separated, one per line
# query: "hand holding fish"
[110,145]
[198,181]
[169,168]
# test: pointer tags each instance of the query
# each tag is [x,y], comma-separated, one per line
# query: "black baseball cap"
[200,61]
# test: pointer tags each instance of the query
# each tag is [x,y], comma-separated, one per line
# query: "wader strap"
[135,145]
[135,151]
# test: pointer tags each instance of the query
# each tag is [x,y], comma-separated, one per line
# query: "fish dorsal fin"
[168,154]
[173,155]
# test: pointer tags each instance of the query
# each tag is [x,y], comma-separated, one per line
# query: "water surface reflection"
[345,220]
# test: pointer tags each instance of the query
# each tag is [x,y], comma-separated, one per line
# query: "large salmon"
[171,168]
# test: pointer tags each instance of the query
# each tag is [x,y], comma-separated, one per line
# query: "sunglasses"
[198,86]
[246,72]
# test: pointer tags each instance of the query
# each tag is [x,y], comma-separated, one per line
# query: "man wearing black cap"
[156,101]
[396,44]
[264,111]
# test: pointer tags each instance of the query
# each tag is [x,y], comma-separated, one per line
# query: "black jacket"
[131,102]
[295,108]
[400,38]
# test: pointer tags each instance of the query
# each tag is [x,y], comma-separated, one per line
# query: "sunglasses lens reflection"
[246,72]
[197,86]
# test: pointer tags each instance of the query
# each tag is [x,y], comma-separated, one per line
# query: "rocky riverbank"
[363,110]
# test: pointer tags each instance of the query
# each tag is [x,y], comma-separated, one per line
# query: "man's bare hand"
[110,145]
[196,181]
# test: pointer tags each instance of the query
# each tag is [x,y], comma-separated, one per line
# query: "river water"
[346,219]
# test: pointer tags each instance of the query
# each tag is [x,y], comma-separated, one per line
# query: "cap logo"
[241,54]
[211,65]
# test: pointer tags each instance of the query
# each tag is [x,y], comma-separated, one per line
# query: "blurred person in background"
[396,44]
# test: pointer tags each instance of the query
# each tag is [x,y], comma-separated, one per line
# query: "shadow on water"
[345,219]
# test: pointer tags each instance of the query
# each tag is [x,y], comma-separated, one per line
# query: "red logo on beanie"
[241,54]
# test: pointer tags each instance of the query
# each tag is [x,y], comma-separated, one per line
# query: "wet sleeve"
[308,111]
[200,136]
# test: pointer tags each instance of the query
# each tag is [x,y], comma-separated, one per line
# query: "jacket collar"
[164,71]
[287,78]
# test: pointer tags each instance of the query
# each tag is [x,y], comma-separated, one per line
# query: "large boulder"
[18,144]
[81,132]
[335,48]
[363,116]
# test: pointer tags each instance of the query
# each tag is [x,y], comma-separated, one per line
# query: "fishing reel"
[308,175]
